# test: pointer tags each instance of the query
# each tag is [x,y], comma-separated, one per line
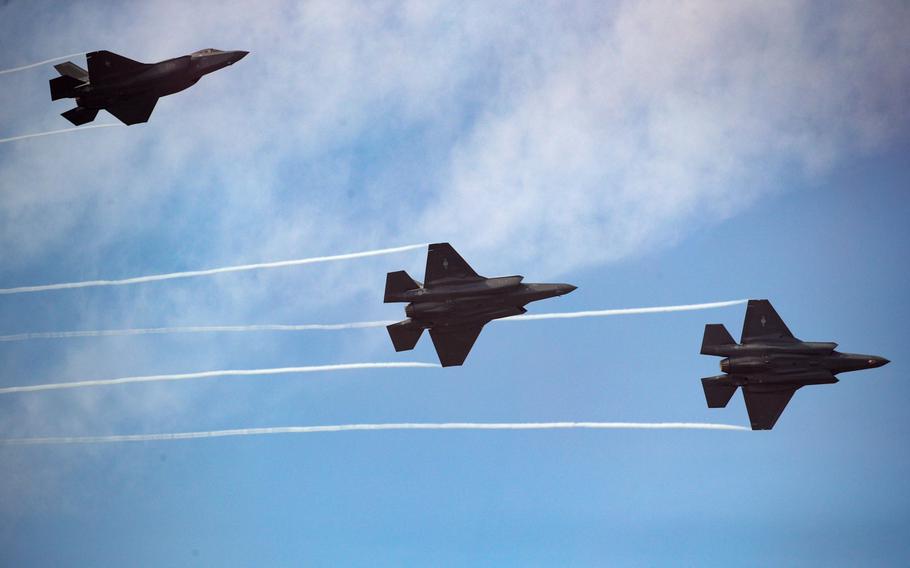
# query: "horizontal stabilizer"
[718,391]
[70,69]
[64,87]
[404,334]
[716,335]
[397,283]
[80,115]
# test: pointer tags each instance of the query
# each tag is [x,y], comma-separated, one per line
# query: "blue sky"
[650,153]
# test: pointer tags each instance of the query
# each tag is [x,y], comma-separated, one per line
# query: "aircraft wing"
[763,323]
[765,403]
[133,111]
[105,64]
[444,263]
[454,343]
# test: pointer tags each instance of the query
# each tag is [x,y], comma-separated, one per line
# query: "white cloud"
[574,138]
[678,114]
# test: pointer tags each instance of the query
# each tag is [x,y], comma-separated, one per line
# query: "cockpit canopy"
[204,52]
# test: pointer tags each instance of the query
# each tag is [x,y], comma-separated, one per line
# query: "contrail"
[375,427]
[210,374]
[195,329]
[209,271]
[40,63]
[341,326]
[625,311]
[52,132]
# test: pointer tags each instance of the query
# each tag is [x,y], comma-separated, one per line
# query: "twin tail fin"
[716,337]
[397,283]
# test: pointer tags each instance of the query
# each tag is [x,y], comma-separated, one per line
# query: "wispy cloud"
[591,136]
[523,133]
[673,116]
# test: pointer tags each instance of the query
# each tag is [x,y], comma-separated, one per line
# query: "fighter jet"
[770,364]
[128,89]
[454,303]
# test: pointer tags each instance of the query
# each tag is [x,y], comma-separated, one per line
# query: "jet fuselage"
[478,301]
[800,365]
[155,80]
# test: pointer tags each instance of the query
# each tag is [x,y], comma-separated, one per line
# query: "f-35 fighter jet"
[770,364]
[454,303]
[128,89]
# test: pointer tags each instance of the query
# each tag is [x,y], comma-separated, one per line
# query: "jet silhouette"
[454,303]
[128,89]
[770,364]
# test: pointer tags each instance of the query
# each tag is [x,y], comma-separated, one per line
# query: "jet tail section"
[80,115]
[716,336]
[397,283]
[64,87]
[405,335]
[718,391]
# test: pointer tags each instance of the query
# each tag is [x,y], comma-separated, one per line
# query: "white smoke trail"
[40,63]
[61,131]
[209,271]
[341,326]
[375,427]
[195,329]
[210,374]
[625,311]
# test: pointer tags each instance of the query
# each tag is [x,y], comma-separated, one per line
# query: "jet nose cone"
[238,55]
[566,288]
[878,362]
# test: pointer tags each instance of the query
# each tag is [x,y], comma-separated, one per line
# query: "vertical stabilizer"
[64,87]
[397,283]
[716,338]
